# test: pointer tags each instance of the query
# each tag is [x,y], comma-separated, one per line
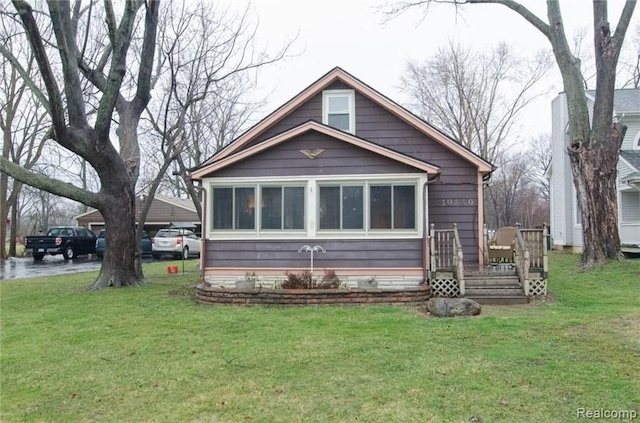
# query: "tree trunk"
[4,188]
[14,200]
[594,176]
[118,210]
[14,228]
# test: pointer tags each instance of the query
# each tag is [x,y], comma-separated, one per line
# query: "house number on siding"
[456,202]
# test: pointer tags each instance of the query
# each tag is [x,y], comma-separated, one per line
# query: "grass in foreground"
[151,355]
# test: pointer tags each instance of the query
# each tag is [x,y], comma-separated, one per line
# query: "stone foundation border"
[299,297]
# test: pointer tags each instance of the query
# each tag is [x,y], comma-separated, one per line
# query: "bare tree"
[594,143]
[539,155]
[630,64]
[24,123]
[476,98]
[503,192]
[90,138]
[205,56]
[530,209]
[40,209]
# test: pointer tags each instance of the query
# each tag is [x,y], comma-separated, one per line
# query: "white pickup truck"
[180,243]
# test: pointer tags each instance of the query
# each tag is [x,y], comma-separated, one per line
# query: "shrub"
[305,280]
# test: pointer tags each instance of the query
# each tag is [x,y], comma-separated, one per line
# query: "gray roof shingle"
[625,101]
[632,157]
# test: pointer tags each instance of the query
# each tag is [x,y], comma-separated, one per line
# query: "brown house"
[342,167]
[164,210]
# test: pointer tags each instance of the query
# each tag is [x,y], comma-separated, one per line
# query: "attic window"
[338,109]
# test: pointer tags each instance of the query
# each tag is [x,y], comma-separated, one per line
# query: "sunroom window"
[282,207]
[234,208]
[392,206]
[341,207]
[339,109]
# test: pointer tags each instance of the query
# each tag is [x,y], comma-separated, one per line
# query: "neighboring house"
[164,210]
[345,168]
[566,229]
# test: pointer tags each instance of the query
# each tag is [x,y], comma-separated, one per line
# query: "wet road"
[26,267]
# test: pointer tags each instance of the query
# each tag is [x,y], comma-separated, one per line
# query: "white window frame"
[620,195]
[340,185]
[392,186]
[257,231]
[327,95]
[368,181]
[233,208]
[311,204]
[577,215]
[282,187]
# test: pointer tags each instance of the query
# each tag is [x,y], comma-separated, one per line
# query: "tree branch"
[61,20]
[26,77]
[47,184]
[120,39]
[400,7]
[35,39]
[143,92]
[623,22]
[522,11]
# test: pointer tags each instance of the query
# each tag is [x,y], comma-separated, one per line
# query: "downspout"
[425,229]
[203,247]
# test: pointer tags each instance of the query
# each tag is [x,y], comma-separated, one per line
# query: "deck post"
[525,271]
[485,243]
[458,259]
[545,258]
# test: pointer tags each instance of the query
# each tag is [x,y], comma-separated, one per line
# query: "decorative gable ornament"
[312,154]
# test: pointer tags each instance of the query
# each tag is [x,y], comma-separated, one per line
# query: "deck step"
[495,287]
[490,274]
[493,291]
[500,300]
[495,281]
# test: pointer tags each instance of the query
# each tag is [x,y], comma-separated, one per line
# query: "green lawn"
[151,355]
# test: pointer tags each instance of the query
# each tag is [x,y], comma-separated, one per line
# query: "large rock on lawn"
[451,307]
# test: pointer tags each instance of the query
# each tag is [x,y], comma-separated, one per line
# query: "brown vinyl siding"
[340,254]
[338,158]
[161,213]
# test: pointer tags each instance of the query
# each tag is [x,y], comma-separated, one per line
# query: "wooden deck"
[507,282]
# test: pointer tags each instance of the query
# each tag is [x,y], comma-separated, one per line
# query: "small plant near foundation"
[330,279]
[305,280]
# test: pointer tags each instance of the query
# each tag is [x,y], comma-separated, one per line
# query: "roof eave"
[315,126]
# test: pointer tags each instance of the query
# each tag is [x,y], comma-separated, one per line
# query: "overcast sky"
[351,34]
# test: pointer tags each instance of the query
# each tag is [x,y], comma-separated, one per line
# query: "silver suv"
[181,243]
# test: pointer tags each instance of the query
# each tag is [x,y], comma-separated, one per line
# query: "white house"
[566,230]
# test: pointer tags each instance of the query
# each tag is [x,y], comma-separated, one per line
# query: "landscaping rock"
[451,307]
[367,284]
[245,284]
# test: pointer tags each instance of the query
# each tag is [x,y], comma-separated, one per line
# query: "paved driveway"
[19,268]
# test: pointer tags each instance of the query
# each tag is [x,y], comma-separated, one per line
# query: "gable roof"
[632,158]
[625,100]
[312,125]
[338,74]
[186,204]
